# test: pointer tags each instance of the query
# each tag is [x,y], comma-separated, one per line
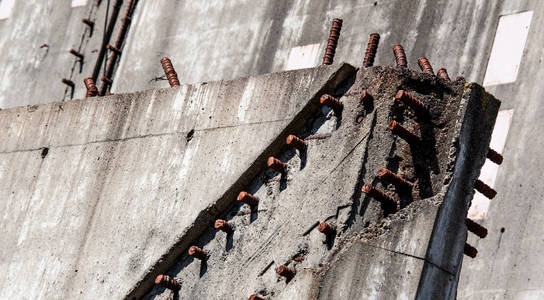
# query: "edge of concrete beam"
[448,237]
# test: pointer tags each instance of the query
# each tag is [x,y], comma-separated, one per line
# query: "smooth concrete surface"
[215,39]
[98,190]
[509,261]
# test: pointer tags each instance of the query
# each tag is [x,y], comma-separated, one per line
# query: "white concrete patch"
[480,204]
[6,6]
[78,3]
[508,46]
[302,57]
[246,99]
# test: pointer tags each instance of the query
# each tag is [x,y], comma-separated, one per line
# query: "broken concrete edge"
[468,152]
[206,217]
[444,255]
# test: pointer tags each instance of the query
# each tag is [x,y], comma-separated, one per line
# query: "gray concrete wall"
[125,177]
[454,34]
[221,40]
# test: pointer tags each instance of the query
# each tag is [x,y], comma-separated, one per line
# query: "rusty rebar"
[68,82]
[331,102]
[276,165]
[76,53]
[371,49]
[332,42]
[170,72]
[443,73]
[402,132]
[417,105]
[400,56]
[113,49]
[295,142]
[255,297]
[167,282]
[88,23]
[476,228]
[106,80]
[470,251]
[197,253]
[222,225]
[485,189]
[379,195]
[326,228]
[395,179]
[92,91]
[494,156]
[425,65]
[248,199]
[286,272]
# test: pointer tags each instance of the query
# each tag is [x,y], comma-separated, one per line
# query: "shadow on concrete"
[203,267]
[229,240]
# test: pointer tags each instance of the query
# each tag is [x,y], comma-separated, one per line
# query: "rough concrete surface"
[375,247]
[79,176]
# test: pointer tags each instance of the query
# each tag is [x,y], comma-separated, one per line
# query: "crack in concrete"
[109,140]
[412,256]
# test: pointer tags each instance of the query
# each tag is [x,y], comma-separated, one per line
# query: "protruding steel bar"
[167,282]
[476,228]
[198,253]
[92,91]
[425,65]
[395,179]
[371,49]
[400,56]
[332,42]
[470,251]
[248,199]
[379,195]
[276,165]
[404,133]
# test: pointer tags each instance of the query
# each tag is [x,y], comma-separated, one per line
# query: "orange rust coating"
[197,253]
[378,195]
[402,132]
[400,56]
[171,74]
[371,49]
[425,65]
[92,91]
[222,225]
[331,102]
[411,101]
[168,283]
[248,199]
[395,179]
[325,228]
[443,73]
[276,165]
[295,142]
[285,271]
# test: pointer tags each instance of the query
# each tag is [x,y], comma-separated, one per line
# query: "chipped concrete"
[372,251]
